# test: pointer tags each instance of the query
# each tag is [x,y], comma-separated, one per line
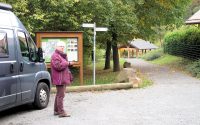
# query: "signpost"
[90,25]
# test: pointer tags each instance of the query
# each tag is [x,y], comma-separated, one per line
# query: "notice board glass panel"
[48,45]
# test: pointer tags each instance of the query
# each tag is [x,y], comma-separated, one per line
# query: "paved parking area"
[173,99]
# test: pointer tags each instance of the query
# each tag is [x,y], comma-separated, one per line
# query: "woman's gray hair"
[61,43]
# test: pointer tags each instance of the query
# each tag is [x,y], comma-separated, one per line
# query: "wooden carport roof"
[139,44]
[194,19]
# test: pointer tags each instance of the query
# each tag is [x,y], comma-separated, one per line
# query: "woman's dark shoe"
[64,115]
[56,113]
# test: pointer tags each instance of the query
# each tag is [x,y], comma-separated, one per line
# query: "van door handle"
[11,68]
[21,67]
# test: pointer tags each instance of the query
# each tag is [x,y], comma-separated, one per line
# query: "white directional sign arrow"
[88,25]
[101,29]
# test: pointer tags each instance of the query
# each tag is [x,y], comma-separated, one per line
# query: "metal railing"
[183,50]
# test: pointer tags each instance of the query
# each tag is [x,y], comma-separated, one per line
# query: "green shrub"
[153,55]
[184,42]
[194,68]
[100,53]
[87,56]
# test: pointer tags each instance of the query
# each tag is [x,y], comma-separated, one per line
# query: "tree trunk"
[116,66]
[108,50]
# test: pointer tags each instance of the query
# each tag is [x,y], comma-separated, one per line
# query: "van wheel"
[42,96]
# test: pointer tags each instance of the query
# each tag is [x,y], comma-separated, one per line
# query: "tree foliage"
[126,19]
[193,8]
[157,13]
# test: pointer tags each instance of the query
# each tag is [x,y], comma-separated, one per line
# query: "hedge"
[184,42]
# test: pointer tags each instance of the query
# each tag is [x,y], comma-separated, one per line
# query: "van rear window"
[3,45]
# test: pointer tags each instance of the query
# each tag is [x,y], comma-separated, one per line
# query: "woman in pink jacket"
[61,77]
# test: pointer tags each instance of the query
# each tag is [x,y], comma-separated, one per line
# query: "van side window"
[32,47]
[23,45]
[3,45]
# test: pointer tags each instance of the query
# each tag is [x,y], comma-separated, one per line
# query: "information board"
[47,40]
[71,48]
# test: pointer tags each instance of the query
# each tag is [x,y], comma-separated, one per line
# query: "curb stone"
[113,86]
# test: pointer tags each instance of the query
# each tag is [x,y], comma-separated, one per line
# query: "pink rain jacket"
[60,72]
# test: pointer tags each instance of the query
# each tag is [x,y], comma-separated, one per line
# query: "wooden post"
[132,52]
[119,53]
[128,52]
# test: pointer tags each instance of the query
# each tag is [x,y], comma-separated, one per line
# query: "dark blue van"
[23,75]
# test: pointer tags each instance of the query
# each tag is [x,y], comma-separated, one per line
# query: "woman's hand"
[72,63]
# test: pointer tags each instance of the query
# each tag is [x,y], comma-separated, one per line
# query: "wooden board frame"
[65,34]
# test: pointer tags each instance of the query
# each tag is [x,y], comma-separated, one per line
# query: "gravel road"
[173,99]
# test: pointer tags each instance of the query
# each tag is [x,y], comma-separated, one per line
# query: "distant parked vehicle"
[23,75]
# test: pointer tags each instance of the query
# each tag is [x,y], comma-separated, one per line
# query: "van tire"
[41,96]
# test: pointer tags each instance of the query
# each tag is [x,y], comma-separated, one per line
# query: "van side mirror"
[40,55]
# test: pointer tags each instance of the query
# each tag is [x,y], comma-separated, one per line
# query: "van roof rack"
[5,6]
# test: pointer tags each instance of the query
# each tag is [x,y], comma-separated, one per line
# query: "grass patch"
[187,66]
[167,59]
[159,58]
[174,62]
[194,68]
[102,76]
[171,61]
[145,81]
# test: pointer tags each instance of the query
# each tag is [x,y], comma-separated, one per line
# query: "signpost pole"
[90,25]
[94,56]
